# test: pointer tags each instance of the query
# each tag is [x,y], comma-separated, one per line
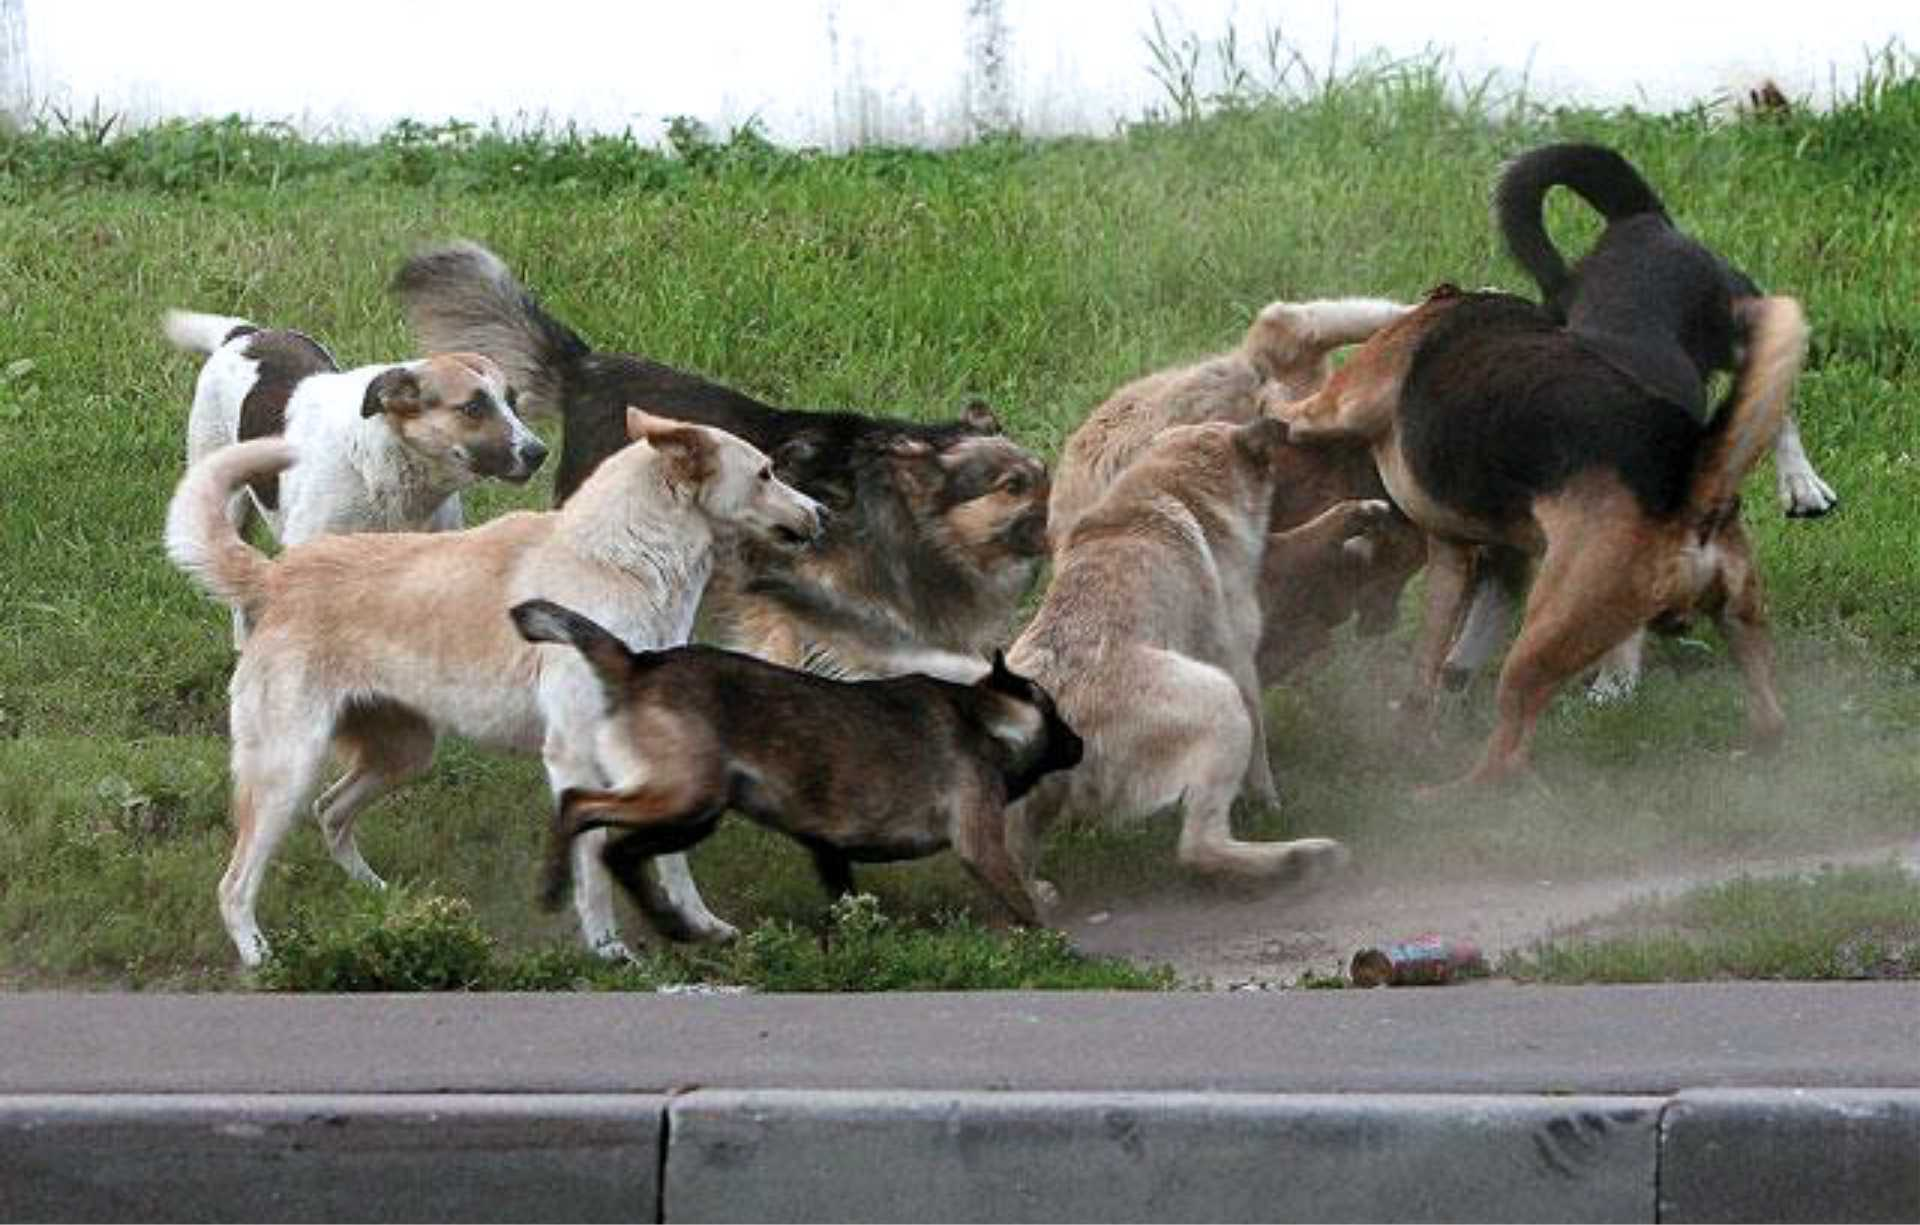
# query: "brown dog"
[856,771]
[370,647]
[1147,639]
[1285,354]
[1493,425]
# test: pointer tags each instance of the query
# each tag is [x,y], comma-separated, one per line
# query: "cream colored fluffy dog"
[1146,639]
[370,646]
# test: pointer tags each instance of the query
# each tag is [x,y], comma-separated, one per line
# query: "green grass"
[1845,923]
[1038,274]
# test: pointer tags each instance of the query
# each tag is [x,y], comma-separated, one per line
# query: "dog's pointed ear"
[1260,438]
[396,390]
[978,416]
[688,452]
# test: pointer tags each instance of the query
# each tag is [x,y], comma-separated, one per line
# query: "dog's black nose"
[532,455]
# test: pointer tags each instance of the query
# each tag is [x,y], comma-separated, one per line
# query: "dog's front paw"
[1046,898]
[614,949]
[712,931]
[1803,495]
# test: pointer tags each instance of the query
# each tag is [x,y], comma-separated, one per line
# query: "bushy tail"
[202,334]
[1595,173]
[460,298]
[202,541]
[1749,418]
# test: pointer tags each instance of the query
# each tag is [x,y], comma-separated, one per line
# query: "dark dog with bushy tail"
[936,529]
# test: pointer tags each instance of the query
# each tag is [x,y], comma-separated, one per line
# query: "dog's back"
[1648,297]
[1501,405]
[245,384]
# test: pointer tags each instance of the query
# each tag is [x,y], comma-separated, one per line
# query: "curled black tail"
[460,298]
[1595,173]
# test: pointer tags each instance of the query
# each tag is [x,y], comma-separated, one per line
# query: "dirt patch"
[1240,943]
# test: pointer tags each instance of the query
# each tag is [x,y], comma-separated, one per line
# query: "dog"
[1494,425]
[864,771]
[372,645]
[386,448]
[1147,637]
[1657,303]
[938,530]
[1285,354]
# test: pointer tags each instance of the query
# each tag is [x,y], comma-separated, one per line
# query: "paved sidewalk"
[1480,1102]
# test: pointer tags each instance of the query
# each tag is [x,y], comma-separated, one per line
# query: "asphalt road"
[1475,1038]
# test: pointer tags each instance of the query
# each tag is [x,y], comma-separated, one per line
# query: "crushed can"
[1423,960]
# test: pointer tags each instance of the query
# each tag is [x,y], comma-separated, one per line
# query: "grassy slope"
[1039,275]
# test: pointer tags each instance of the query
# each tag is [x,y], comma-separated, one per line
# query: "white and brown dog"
[384,448]
[371,645]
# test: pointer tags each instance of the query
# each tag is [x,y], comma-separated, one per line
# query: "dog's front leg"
[570,768]
[980,840]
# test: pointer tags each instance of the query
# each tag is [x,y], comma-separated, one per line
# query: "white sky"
[824,71]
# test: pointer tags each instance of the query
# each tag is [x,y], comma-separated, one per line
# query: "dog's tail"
[1750,417]
[545,621]
[202,541]
[1595,173]
[202,334]
[460,298]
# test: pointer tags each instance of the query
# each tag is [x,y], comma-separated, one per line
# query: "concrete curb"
[913,1155]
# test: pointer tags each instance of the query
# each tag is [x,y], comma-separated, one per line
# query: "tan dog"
[373,645]
[1286,354]
[1146,640]
[1494,425]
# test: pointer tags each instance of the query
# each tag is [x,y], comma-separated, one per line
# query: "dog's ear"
[804,463]
[688,452]
[1260,438]
[392,391]
[978,416]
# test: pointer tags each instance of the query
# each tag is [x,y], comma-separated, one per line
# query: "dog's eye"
[475,408]
[1016,484]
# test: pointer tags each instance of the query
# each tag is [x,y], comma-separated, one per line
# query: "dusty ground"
[1240,943]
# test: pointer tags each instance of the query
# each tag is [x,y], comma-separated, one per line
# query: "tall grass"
[1038,274]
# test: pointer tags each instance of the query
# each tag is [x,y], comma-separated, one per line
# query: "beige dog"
[373,645]
[1285,354]
[1146,639]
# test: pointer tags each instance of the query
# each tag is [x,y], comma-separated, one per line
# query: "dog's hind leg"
[1743,619]
[383,747]
[1619,673]
[1200,764]
[1592,593]
[1803,494]
[273,775]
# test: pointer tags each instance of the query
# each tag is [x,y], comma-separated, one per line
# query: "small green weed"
[1837,923]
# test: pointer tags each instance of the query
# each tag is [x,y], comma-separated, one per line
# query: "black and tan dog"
[856,771]
[935,530]
[1647,297]
[1494,425]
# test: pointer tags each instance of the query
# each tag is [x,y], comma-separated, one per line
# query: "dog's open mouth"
[792,537]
